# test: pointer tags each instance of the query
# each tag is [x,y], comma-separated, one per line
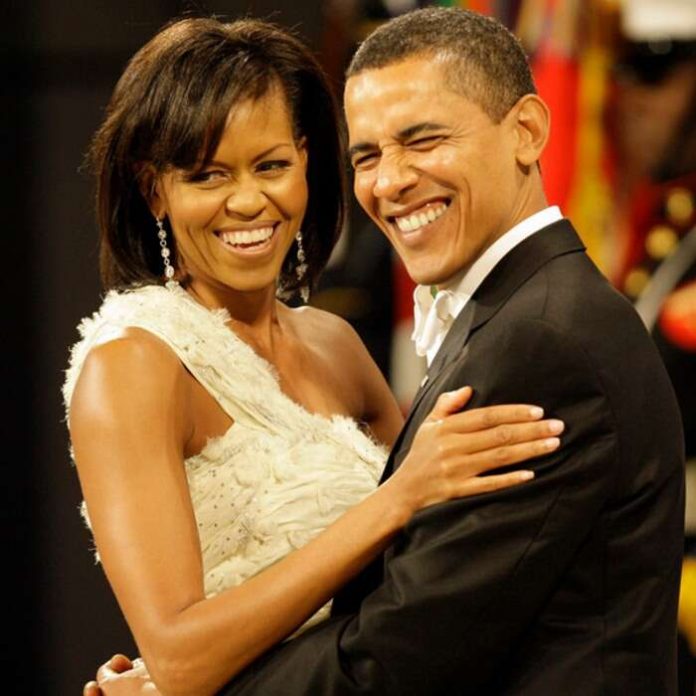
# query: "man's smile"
[421,216]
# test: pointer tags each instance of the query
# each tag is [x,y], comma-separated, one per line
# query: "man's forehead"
[437,59]
[398,74]
[389,103]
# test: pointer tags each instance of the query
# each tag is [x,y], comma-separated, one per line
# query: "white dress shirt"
[434,315]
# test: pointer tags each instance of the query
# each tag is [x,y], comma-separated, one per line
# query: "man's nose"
[247,199]
[394,176]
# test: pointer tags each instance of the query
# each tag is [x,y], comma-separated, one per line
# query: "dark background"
[60,61]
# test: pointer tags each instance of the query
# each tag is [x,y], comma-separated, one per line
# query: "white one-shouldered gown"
[279,475]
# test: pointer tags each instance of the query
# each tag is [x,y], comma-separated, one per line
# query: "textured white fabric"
[279,475]
[433,316]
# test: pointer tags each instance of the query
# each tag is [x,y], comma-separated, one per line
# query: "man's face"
[434,172]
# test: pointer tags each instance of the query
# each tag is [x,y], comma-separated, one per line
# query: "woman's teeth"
[410,223]
[247,236]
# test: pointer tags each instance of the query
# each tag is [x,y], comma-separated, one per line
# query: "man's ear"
[150,186]
[532,123]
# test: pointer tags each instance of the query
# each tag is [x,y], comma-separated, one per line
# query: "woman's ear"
[150,186]
[301,146]
[532,122]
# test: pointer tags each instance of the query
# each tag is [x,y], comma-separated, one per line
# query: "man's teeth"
[409,223]
[247,236]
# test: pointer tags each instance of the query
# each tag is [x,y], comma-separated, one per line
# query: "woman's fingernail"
[556,426]
[536,412]
[552,443]
[526,475]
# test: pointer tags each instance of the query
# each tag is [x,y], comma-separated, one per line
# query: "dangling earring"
[301,267]
[164,250]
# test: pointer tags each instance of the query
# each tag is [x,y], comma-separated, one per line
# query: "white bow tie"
[433,322]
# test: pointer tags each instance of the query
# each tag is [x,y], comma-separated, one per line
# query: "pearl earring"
[164,251]
[300,270]
[301,267]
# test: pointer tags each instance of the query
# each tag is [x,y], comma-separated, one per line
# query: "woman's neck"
[253,314]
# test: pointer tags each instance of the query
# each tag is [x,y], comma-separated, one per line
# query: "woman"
[227,444]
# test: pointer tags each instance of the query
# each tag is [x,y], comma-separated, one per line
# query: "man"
[568,584]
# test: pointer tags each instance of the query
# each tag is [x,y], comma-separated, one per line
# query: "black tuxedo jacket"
[564,585]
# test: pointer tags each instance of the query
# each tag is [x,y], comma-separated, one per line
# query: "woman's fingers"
[91,688]
[120,663]
[449,403]
[492,416]
[117,664]
[487,460]
[468,484]
[487,484]
[503,436]
[452,449]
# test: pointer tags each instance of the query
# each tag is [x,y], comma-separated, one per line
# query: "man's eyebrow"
[409,132]
[404,134]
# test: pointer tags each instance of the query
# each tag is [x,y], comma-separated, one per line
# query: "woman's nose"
[246,199]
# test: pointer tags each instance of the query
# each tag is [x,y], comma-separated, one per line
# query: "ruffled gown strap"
[244,384]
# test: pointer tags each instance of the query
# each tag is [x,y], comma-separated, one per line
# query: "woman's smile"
[251,241]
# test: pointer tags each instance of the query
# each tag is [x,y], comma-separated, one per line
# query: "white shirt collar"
[433,315]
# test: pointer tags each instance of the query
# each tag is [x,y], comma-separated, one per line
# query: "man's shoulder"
[571,294]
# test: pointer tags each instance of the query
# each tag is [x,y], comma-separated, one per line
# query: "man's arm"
[467,576]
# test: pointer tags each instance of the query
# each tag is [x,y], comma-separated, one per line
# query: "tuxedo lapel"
[513,270]
[509,274]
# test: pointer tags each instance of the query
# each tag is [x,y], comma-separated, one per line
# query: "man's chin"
[427,276]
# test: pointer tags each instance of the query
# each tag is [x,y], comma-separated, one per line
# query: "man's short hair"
[481,58]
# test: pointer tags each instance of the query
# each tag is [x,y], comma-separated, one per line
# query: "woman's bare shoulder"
[341,346]
[129,365]
[329,330]
[131,349]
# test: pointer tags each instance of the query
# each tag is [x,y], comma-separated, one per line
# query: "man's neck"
[521,230]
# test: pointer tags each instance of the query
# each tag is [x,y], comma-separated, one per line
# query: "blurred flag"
[570,43]
[486,7]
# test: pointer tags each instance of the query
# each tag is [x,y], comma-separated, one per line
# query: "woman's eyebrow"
[261,155]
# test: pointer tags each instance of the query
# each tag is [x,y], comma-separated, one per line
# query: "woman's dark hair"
[169,109]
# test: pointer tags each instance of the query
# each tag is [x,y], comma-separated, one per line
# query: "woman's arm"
[130,422]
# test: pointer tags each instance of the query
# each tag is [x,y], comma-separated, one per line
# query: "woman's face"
[235,220]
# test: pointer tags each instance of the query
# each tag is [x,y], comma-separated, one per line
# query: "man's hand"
[121,677]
